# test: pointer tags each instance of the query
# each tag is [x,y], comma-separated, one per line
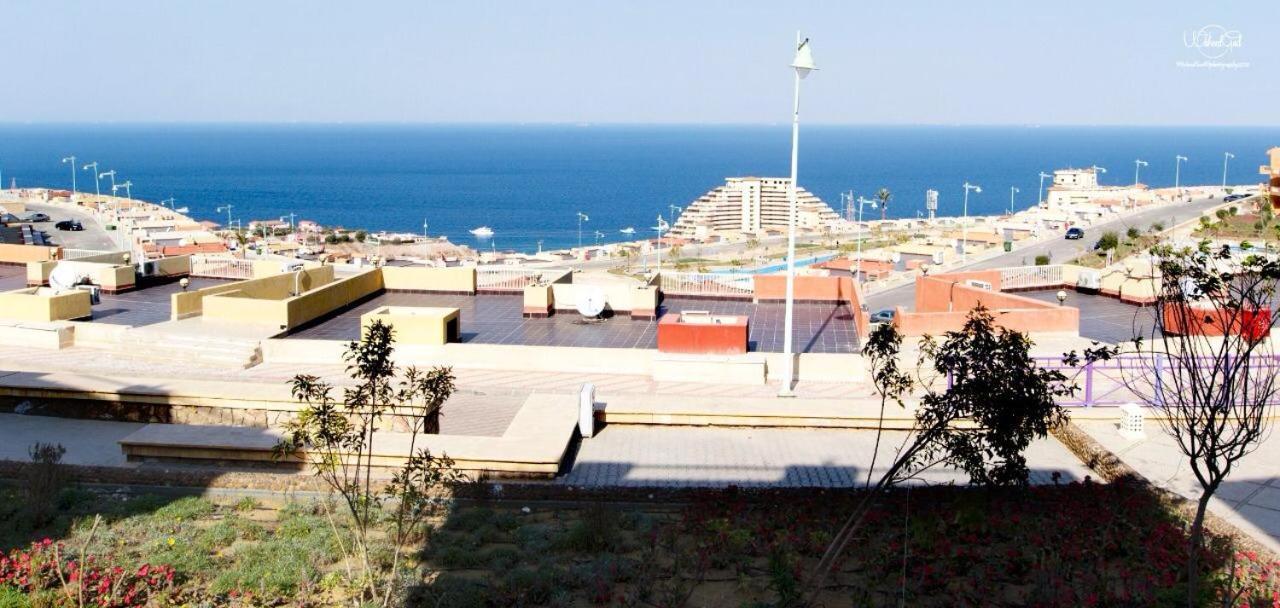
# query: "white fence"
[76,254]
[1028,277]
[505,279]
[221,267]
[707,284]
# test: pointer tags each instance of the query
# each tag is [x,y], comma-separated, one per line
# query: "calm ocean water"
[528,182]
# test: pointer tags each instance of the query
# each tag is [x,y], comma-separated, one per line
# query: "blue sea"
[528,182]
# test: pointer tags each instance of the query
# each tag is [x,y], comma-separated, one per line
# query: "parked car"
[71,225]
[1234,197]
[883,316]
[9,218]
[1075,233]
[37,217]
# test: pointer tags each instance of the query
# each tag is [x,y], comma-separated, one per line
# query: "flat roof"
[498,319]
[1103,318]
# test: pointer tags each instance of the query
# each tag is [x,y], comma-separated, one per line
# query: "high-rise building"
[752,206]
[1271,187]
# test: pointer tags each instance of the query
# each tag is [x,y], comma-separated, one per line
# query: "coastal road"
[1059,250]
[94,236]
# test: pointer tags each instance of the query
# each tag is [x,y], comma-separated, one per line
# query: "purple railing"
[1104,383]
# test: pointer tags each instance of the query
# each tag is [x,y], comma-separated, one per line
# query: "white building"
[752,206]
[1080,187]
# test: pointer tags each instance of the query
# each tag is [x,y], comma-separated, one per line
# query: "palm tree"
[884,195]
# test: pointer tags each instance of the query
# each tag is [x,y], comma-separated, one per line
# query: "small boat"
[628,230]
[482,231]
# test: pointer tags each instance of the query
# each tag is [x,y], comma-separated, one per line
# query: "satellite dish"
[591,302]
[65,278]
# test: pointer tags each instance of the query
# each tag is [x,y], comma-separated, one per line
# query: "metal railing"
[506,279]
[1027,277]
[1113,382]
[708,284]
[221,267]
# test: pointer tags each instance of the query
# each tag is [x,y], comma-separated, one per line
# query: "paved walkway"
[1250,497]
[718,457]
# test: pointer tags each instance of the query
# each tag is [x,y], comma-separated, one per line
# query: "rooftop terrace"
[146,306]
[497,319]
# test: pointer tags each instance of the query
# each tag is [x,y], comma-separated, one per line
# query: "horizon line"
[589,124]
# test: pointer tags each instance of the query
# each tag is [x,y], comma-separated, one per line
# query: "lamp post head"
[1062,296]
[184,282]
[1229,155]
[803,62]
[1181,158]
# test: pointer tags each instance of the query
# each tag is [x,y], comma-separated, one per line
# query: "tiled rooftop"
[12,277]
[144,306]
[1103,318]
[497,319]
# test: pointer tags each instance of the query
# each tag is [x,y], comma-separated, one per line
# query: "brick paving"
[1249,498]
[637,456]
[497,319]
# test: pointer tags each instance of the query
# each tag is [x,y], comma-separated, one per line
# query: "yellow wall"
[318,302]
[456,279]
[538,299]
[618,296]
[235,306]
[27,305]
[273,287]
[21,254]
[177,265]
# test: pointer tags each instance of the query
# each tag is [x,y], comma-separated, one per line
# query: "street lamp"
[112,175]
[96,190]
[1226,156]
[862,201]
[226,208]
[1097,169]
[1062,297]
[1137,166]
[582,217]
[660,228]
[1012,191]
[72,161]
[803,64]
[128,194]
[1043,175]
[964,235]
[1177,170]
[674,209]
[168,202]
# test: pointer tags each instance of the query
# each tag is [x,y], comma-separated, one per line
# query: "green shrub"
[453,591]
[502,558]
[1109,240]
[1157,227]
[1133,233]
[454,557]
[596,529]
[1042,260]
[248,503]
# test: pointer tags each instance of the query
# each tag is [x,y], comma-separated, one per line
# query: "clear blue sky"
[656,61]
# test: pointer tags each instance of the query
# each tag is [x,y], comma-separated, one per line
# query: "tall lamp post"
[1177,170]
[1097,169]
[1012,191]
[582,217]
[112,175]
[659,228]
[226,208]
[803,64]
[72,161]
[1043,175]
[97,191]
[1226,156]
[862,201]
[1137,168]
[964,234]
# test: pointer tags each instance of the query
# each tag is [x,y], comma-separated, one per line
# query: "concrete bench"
[37,334]
[533,446]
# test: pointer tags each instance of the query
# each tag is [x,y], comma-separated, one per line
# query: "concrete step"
[210,350]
